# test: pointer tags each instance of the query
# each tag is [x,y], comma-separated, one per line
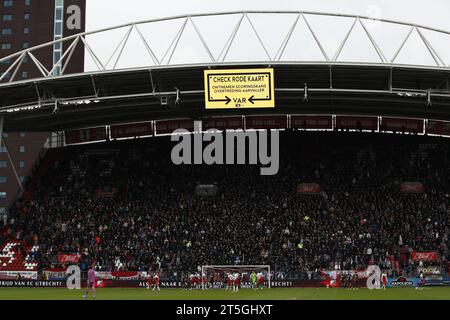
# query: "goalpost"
[219,273]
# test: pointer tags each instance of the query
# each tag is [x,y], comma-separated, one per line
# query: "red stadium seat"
[13,260]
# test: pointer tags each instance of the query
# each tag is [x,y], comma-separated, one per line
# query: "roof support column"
[2,121]
[390,79]
[5,214]
[331,77]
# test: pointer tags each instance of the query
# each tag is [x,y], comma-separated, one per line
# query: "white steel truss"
[191,28]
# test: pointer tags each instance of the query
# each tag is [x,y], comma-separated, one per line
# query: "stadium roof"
[132,77]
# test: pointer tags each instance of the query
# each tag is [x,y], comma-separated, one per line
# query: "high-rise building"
[24,24]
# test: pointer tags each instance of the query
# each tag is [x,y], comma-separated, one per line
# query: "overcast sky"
[107,13]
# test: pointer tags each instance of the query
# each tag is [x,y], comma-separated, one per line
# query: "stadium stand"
[125,206]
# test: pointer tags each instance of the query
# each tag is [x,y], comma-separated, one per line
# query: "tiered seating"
[45,166]
[11,259]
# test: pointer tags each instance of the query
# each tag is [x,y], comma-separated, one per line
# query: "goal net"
[215,276]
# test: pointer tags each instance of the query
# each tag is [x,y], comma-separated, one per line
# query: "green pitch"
[435,293]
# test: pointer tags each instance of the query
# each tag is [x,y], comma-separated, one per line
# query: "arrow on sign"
[227,100]
[252,98]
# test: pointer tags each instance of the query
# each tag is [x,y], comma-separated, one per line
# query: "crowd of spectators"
[155,220]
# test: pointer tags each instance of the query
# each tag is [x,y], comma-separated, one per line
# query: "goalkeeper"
[253,279]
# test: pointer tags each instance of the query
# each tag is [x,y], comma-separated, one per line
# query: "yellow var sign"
[239,88]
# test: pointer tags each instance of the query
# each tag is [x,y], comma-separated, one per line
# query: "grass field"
[435,293]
